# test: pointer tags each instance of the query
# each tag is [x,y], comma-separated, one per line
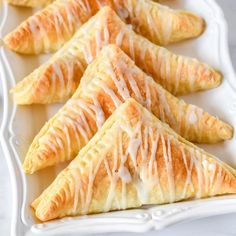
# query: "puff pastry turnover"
[39,3]
[30,3]
[133,160]
[51,27]
[57,79]
[110,80]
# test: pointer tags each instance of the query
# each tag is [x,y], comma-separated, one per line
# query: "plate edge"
[14,168]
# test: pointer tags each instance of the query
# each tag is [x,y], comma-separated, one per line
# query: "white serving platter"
[20,124]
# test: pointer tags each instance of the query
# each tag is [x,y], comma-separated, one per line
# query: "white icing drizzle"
[84,5]
[100,117]
[80,65]
[51,146]
[148,101]
[192,118]
[114,175]
[212,176]
[155,141]
[56,24]
[92,174]
[63,24]
[124,175]
[34,31]
[137,12]
[117,4]
[67,140]
[87,52]
[169,170]
[131,48]
[219,180]
[23,90]
[142,140]
[122,12]
[164,67]
[180,65]
[58,74]
[111,93]
[102,37]
[71,17]
[135,88]
[198,166]
[155,178]
[153,59]
[53,84]
[99,41]
[159,61]
[111,194]
[123,172]
[188,182]
[129,7]
[86,126]
[205,165]
[120,84]
[70,75]
[106,33]
[120,37]
[141,185]
[81,104]
[79,193]
[76,129]
[100,4]
[151,25]
[191,75]
[166,110]
[55,146]
[167,26]
[210,170]
[159,27]
[79,125]
[133,147]
[72,116]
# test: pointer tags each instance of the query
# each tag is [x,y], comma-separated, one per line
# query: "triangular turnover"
[108,81]
[134,159]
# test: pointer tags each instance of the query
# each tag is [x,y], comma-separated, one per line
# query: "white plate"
[20,124]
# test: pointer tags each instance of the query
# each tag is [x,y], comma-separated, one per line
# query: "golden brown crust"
[159,24]
[109,81]
[30,3]
[51,27]
[177,74]
[48,29]
[108,175]
[188,120]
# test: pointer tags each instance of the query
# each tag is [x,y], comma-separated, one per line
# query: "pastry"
[40,3]
[159,23]
[57,79]
[30,3]
[109,81]
[48,29]
[133,160]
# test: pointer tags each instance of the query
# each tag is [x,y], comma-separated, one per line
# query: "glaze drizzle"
[117,79]
[175,73]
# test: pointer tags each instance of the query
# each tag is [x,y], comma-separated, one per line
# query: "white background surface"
[219,225]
